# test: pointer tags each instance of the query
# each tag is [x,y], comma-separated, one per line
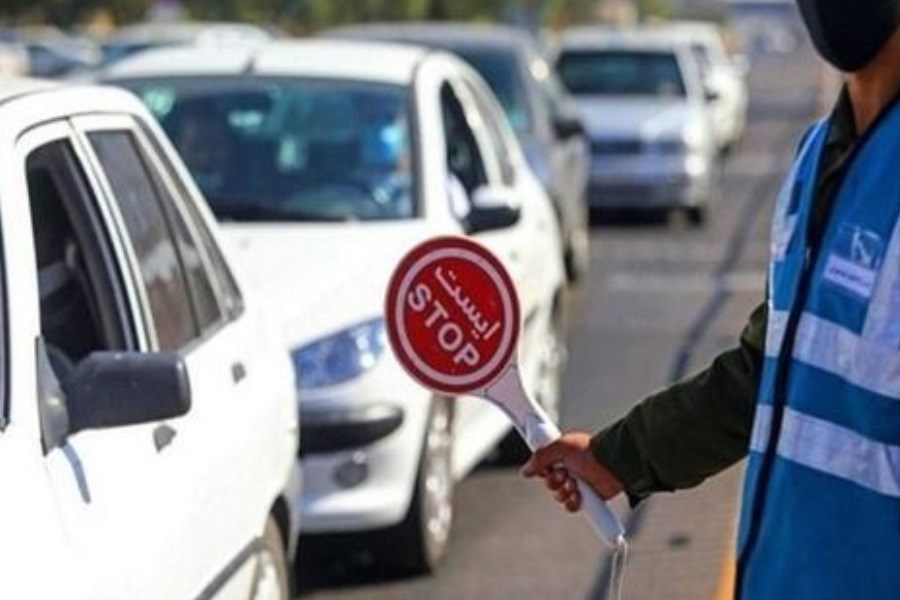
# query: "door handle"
[238,372]
[163,436]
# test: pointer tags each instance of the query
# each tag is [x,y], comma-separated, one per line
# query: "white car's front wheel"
[549,386]
[425,531]
[270,580]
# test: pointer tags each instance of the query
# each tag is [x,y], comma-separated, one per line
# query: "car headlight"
[340,357]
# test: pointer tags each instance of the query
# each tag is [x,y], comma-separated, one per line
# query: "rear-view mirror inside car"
[113,389]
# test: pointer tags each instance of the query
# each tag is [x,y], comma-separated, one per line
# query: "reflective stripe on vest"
[870,365]
[831,449]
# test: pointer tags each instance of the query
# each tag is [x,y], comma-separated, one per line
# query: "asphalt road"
[661,299]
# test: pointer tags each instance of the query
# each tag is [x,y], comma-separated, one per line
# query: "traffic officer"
[812,392]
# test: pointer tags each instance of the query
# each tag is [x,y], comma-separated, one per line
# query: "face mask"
[850,34]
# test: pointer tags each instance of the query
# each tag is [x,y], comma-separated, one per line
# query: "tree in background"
[309,15]
[68,13]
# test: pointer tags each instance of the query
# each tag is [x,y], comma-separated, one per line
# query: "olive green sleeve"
[678,437]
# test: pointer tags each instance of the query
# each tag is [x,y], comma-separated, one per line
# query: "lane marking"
[681,283]
[679,251]
[728,571]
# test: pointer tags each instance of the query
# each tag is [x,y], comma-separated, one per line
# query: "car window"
[223,278]
[495,139]
[291,150]
[554,93]
[155,247]
[464,160]
[502,71]
[81,298]
[701,54]
[621,73]
[199,283]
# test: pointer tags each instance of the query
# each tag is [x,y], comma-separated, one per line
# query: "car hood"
[634,117]
[317,279]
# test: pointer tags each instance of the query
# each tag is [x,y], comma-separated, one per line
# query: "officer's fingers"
[553,482]
[554,478]
[566,491]
[573,503]
[543,459]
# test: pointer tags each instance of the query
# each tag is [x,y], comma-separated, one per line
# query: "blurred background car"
[723,75]
[645,106]
[13,58]
[540,111]
[52,53]
[325,161]
[130,40]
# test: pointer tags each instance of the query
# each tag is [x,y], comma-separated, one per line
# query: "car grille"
[637,194]
[615,147]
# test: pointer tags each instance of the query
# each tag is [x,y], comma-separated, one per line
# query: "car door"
[534,238]
[473,162]
[530,241]
[477,160]
[109,485]
[186,309]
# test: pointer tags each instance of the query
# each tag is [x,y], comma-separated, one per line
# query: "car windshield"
[500,69]
[621,73]
[290,150]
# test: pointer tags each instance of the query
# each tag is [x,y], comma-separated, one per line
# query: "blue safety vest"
[821,511]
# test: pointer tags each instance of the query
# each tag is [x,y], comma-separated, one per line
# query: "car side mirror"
[711,94]
[493,207]
[565,127]
[115,389]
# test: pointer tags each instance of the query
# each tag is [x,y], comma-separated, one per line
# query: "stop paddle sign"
[453,321]
[453,315]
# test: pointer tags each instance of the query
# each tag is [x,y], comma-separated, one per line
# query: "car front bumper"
[359,452]
[650,182]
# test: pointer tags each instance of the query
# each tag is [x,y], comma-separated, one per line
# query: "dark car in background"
[542,114]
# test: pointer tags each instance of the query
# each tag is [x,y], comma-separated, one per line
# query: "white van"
[147,424]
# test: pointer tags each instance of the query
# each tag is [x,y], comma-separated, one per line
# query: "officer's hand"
[570,457]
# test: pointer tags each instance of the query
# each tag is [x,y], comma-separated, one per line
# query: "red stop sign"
[452,315]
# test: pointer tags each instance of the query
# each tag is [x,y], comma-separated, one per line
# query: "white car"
[723,76]
[325,161]
[642,99]
[147,422]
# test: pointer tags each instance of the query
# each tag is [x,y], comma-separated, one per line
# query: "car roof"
[14,87]
[185,31]
[627,38]
[369,61]
[444,35]
[691,31]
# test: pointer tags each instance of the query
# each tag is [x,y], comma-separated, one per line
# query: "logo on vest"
[855,260]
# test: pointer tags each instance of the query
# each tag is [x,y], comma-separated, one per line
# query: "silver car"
[645,107]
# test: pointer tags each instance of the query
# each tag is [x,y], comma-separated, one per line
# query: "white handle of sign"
[540,431]
[508,393]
